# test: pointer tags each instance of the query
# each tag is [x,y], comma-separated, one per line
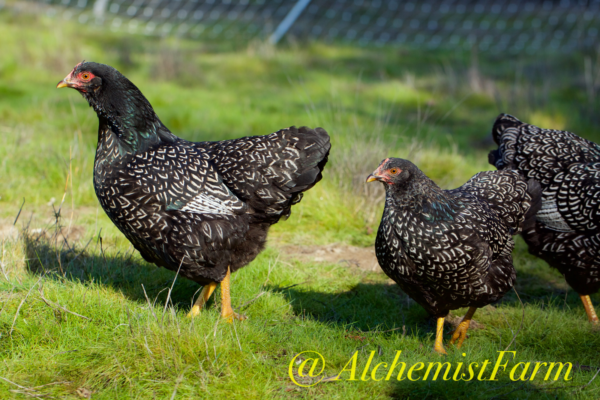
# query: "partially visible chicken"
[567,232]
[449,249]
[202,209]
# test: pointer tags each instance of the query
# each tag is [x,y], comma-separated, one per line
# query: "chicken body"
[449,249]
[202,209]
[566,233]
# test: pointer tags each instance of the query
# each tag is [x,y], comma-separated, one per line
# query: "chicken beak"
[67,82]
[375,176]
[64,83]
[372,178]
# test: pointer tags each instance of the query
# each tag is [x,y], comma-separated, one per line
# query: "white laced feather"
[205,203]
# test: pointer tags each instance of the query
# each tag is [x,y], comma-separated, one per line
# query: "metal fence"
[511,26]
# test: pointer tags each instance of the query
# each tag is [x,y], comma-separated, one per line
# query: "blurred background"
[417,79]
[489,25]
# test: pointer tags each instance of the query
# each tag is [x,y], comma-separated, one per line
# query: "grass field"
[130,338]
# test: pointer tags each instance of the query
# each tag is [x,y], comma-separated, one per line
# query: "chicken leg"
[439,337]
[589,309]
[461,330]
[226,310]
[207,290]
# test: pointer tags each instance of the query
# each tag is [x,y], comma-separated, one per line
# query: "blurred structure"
[512,26]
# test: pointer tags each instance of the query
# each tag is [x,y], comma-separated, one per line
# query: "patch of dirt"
[8,232]
[336,253]
[72,233]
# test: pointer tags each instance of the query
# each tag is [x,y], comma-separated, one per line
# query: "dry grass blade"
[179,379]
[591,380]
[50,384]
[171,289]
[389,330]
[19,213]
[236,334]
[81,252]
[32,391]
[12,383]
[522,320]
[250,301]
[21,305]
[58,306]
[27,393]
[150,306]
[129,320]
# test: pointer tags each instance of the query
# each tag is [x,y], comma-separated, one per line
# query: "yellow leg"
[589,309]
[226,310]
[207,290]
[461,330]
[439,337]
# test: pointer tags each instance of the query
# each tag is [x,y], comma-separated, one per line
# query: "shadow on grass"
[123,272]
[366,307]
[545,289]
[474,389]
[385,305]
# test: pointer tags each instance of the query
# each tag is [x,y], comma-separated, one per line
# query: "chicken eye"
[394,171]
[85,76]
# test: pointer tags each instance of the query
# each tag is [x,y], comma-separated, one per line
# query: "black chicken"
[202,209]
[567,231]
[449,249]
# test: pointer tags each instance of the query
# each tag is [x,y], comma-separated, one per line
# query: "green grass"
[433,108]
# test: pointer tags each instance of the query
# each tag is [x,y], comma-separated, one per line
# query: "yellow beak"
[371,178]
[62,84]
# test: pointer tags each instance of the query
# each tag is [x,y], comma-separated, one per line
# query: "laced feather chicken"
[202,209]
[449,249]
[566,233]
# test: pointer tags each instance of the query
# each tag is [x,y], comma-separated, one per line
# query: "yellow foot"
[194,311]
[460,333]
[226,310]
[207,290]
[229,317]
[440,350]
[461,330]
[438,347]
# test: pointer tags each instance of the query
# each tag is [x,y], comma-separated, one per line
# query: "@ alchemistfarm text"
[308,368]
